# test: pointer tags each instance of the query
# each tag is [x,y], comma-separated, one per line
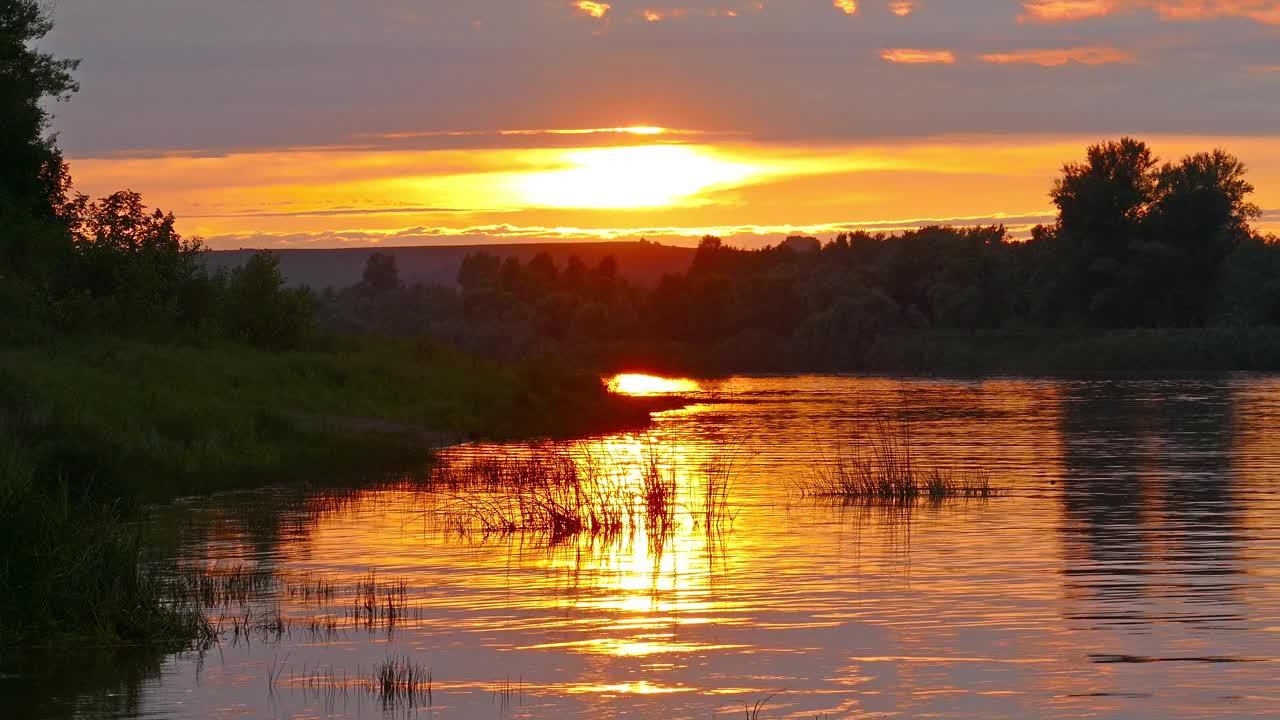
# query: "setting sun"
[631,177]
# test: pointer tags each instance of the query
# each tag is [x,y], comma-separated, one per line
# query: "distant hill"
[643,263]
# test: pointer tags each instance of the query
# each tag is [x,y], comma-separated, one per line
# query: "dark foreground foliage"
[73,568]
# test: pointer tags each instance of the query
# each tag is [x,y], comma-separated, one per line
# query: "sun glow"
[641,176]
[638,384]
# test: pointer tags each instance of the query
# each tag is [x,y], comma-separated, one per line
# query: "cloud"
[1056,57]
[916,56]
[158,77]
[902,8]
[848,7]
[1262,11]
[1053,11]
[594,9]
[1056,11]
[748,234]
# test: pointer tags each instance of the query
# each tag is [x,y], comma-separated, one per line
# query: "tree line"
[69,263]
[1136,244]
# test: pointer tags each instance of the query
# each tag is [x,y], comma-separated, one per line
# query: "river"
[1127,567]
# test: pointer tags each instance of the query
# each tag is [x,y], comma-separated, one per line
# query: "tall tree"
[1200,215]
[1102,204]
[381,275]
[33,175]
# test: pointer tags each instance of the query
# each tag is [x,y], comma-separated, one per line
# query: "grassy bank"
[94,427]
[942,352]
[158,421]
[71,567]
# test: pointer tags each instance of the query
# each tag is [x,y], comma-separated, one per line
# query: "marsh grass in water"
[553,493]
[399,680]
[880,465]
[559,492]
[73,567]
[380,604]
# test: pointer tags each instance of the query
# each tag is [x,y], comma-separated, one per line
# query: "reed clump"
[547,492]
[380,604]
[399,680]
[880,465]
[560,492]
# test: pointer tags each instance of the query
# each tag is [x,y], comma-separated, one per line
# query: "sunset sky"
[324,123]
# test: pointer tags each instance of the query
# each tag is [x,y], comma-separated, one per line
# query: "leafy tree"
[130,254]
[479,270]
[259,309]
[1102,204]
[33,175]
[381,275]
[1200,214]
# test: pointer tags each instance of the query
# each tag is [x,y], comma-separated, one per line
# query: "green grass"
[92,428]
[70,567]
[156,421]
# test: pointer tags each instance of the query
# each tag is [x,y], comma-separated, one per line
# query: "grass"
[70,567]
[548,492]
[381,605]
[558,492]
[175,419]
[400,681]
[91,429]
[880,465]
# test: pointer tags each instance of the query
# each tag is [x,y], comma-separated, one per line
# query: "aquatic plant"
[557,492]
[378,604]
[551,492]
[400,680]
[753,710]
[880,466]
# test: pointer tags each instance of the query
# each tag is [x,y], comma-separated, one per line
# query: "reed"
[399,680]
[553,493]
[880,465]
[380,604]
[71,567]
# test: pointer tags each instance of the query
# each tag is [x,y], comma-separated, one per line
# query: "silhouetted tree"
[479,270]
[33,176]
[1102,204]
[259,308]
[1200,214]
[381,275]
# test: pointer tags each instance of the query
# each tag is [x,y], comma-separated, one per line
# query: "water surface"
[1128,571]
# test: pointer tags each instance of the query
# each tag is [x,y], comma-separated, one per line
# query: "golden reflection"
[864,611]
[631,688]
[639,384]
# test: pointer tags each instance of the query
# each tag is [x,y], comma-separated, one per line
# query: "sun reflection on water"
[964,609]
[640,384]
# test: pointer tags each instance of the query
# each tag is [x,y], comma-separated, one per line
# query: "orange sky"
[317,123]
[667,190]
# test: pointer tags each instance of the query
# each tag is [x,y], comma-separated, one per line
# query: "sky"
[330,123]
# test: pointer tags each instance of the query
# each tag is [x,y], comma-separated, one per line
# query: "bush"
[258,308]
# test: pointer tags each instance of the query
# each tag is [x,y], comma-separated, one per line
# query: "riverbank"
[1051,352]
[94,428]
[961,352]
